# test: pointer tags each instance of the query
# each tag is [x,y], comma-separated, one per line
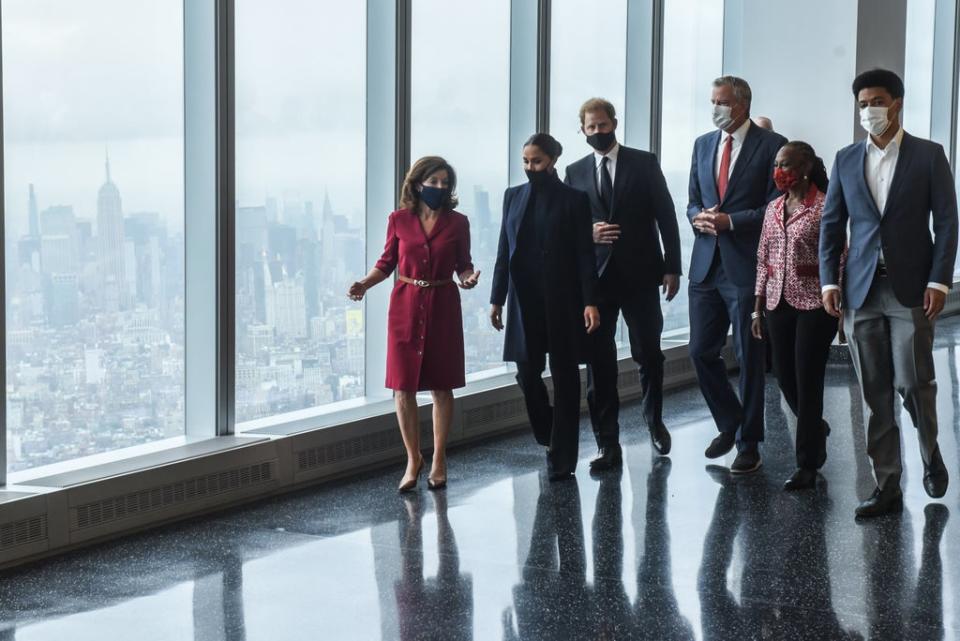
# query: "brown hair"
[597,104]
[419,172]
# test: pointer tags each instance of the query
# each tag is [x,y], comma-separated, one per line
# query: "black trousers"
[557,426]
[641,311]
[800,342]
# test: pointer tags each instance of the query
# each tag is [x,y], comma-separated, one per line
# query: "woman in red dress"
[427,242]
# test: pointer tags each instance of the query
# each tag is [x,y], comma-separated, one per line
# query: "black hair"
[547,143]
[818,171]
[879,78]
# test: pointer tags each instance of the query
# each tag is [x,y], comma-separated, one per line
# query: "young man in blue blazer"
[731,182]
[890,188]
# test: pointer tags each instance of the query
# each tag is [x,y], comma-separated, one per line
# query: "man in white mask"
[731,182]
[890,188]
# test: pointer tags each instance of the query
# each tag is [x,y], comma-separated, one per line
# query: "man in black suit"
[632,211]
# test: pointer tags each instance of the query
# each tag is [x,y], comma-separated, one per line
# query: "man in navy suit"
[632,210]
[731,182]
[889,188]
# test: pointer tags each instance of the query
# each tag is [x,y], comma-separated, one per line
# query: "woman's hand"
[496,317]
[591,318]
[357,290]
[756,328]
[470,281]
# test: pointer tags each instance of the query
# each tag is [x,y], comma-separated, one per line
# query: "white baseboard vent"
[23,531]
[116,508]
[509,412]
[352,448]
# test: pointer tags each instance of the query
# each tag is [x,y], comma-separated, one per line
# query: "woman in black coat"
[546,275]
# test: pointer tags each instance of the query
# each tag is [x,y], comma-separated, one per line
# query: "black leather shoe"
[889,501]
[721,445]
[608,458]
[746,462]
[802,479]
[660,439]
[935,477]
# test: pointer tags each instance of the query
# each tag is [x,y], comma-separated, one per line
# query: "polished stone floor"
[670,549]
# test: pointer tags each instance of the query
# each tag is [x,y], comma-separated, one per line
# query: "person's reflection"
[925,620]
[612,616]
[804,594]
[742,510]
[657,613]
[552,599]
[887,554]
[439,607]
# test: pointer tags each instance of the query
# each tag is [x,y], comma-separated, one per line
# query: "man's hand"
[591,318]
[933,301]
[671,285]
[712,222]
[605,233]
[831,302]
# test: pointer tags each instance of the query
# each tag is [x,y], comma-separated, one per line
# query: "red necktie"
[723,176]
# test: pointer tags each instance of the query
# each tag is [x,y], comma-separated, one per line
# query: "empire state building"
[111,242]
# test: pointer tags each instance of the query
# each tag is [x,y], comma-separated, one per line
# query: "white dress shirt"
[611,163]
[738,137]
[735,147]
[879,166]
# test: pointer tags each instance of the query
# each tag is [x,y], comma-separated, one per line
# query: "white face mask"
[874,120]
[722,116]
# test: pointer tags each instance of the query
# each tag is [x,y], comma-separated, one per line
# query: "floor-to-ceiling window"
[692,56]
[300,220]
[93,180]
[588,44]
[460,99]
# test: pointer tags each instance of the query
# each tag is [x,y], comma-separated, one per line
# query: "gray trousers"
[892,349]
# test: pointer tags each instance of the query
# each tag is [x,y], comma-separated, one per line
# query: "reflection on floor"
[669,549]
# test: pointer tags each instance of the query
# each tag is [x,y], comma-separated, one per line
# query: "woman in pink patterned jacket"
[788,294]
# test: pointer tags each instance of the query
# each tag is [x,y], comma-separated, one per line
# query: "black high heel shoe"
[412,483]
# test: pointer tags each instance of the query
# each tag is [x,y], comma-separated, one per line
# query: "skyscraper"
[34,214]
[110,241]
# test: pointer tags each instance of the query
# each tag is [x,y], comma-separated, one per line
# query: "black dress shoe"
[660,439]
[889,501]
[802,479]
[721,445]
[608,458]
[935,477]
[746,462]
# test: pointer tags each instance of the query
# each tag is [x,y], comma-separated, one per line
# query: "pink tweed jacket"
[787,259]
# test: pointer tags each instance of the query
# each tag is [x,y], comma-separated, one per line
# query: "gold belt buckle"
[421,283]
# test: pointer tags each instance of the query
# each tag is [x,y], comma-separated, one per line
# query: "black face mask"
[539,178]
[434,197]
[602,142]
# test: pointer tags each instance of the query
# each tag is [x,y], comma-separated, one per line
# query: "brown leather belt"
[424,283]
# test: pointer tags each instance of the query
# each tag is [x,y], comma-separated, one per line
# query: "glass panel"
[460,110]
[688,72]
[93,144]
[300,100]
[918,67]
[588,58]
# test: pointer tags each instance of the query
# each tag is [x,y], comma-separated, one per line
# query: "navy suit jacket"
[922,187]
[749,190]
[643,208]
[568,264]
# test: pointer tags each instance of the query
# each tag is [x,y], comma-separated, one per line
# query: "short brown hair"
[597,104]
[419,172]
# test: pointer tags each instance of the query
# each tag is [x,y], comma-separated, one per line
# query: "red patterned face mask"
[785,178]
